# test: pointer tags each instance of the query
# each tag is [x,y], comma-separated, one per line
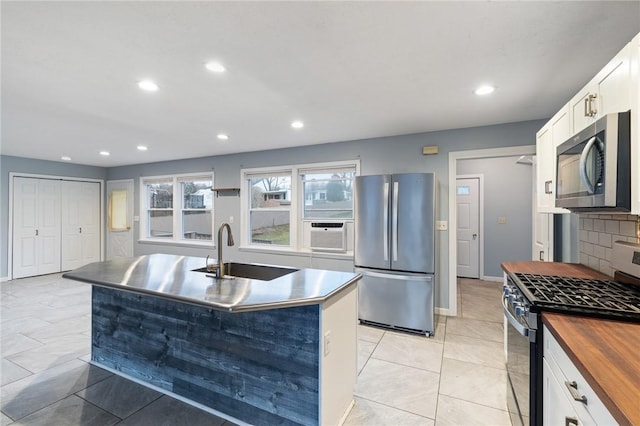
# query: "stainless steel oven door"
[518,353]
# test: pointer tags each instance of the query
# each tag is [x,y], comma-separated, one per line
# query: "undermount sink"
[254,272]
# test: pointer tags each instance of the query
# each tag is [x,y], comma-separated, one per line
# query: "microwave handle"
[583,163]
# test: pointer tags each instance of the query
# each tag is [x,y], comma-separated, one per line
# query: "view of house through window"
[328,194]
[160,211]
[280,202]
[178,208]
[196,209]
[270,211]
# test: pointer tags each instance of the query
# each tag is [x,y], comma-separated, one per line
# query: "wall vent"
[328,236]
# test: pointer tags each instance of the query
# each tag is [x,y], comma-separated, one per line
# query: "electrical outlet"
[441,225]
[230,219]
[502,220]
[327,343]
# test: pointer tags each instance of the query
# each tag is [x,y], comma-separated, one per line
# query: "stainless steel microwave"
[594,166]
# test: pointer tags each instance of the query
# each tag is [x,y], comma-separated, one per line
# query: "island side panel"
[339,356]
[261,367]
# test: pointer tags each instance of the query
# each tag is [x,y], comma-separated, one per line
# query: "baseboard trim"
[443,311]
[4,279]
[489,278]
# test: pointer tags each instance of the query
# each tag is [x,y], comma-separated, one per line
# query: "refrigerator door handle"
[385,221]
[394,220]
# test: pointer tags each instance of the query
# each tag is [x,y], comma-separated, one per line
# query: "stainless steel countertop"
[171,277]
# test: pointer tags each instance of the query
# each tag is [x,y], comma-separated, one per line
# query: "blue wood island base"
[261,367]
[275,352]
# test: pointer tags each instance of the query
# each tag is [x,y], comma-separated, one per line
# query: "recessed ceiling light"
[484,90]
[215,67]
[223,137]
[148,85]
[65,158]
[297,124]
[105,153]
[142,148]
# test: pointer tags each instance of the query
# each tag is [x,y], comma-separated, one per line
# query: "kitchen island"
[281,351]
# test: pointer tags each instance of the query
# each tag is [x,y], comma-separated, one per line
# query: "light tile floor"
[456,377]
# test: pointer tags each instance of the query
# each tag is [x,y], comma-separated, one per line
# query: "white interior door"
[120,219]
[36,226]
[468,227]
[80,224]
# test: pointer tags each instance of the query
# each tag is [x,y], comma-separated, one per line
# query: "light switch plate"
[441,225]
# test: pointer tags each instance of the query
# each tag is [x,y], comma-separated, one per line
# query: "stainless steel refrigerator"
[395,250]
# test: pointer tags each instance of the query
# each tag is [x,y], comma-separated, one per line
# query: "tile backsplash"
[597,234]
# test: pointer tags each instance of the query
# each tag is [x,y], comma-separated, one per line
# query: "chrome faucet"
[220,266]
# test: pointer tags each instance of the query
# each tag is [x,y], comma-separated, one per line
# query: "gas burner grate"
[593,294]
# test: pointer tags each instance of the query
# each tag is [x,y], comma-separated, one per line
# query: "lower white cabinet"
[567,397]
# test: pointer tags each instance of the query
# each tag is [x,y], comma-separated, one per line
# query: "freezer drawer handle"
[573,390]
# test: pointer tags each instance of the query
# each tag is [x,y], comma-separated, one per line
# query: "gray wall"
[393,154]
[10,164]
[507,193]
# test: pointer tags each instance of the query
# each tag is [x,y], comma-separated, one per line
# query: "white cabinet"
[616,88]
[567,397]
[548,138]
[608,92]
[635,124]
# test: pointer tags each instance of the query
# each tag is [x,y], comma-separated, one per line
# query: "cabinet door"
[544,169]
[613,84]
[581,106]
[557,409]
[556,131]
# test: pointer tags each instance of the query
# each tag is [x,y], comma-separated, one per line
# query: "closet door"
[80,224]
[36,226]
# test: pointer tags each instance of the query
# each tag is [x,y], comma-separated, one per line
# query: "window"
[270,208]
[328,193]
[177,208]
[279,204]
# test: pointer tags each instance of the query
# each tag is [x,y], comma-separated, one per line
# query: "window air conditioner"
[328,236]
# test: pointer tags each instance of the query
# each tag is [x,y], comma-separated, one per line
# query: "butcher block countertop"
[574,270]
[607,354]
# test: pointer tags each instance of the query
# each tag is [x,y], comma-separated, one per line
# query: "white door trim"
[53,177]
[480,178]
[453,160]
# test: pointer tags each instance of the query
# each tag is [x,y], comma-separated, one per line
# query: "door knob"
[474,236]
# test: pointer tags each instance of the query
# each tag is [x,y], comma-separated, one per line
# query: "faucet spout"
[220,272]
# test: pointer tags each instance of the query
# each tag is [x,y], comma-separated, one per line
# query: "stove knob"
[512,298]
[519,310]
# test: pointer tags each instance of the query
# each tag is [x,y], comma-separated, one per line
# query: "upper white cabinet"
[608,92]
[616,88]
[556,131]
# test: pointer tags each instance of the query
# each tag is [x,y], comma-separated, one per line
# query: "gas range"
[588,297]
[529,294]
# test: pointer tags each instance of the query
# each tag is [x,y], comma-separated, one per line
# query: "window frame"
[296,211]
[176,181]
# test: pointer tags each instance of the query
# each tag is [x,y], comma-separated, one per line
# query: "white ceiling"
[349,70]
